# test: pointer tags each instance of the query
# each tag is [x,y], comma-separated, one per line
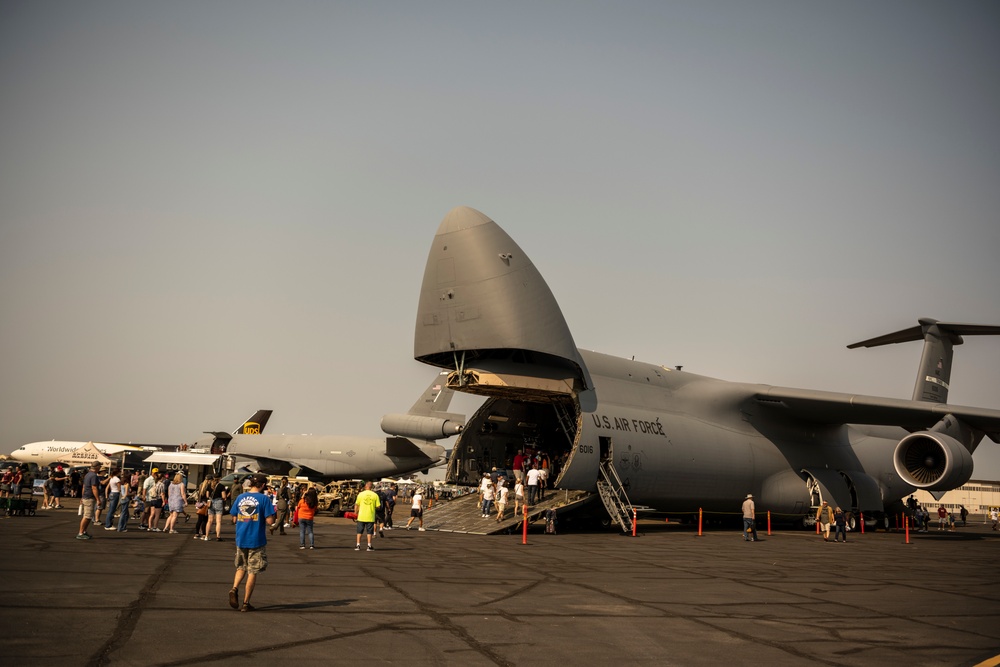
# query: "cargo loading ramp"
[464,514]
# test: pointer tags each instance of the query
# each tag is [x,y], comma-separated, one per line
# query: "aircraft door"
[827,485]
[865,493]
[581,469]
[606,447]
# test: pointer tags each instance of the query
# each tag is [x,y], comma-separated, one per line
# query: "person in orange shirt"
[306,511]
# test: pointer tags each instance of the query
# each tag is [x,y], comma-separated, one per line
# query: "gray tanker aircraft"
[659,437]
[409,448]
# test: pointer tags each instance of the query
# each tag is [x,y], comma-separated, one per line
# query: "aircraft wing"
[829,407]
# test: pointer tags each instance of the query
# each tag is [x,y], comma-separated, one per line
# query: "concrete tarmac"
[667,597]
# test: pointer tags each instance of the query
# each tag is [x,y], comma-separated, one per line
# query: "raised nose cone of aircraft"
[481,294]
[462,217]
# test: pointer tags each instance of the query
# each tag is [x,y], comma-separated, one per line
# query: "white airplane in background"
[50,451]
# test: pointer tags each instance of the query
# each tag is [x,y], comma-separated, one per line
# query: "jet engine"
[932,461]
[420,427]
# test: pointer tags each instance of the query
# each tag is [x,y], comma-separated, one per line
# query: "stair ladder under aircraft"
[612,492]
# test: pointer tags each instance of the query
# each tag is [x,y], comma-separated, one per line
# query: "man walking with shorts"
[252,513]
[417,510]
[90,501]
[365,506]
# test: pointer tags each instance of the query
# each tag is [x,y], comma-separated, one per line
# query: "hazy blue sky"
[212,207]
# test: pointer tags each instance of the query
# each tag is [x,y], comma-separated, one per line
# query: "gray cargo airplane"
[660,437]
[409,448]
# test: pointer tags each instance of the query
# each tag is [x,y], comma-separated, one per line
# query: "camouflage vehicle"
[338,497]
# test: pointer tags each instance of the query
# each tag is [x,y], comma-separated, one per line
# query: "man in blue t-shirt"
[90,500]
[252,513]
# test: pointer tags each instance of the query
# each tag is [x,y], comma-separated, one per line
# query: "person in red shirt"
[519,466]
[942,517]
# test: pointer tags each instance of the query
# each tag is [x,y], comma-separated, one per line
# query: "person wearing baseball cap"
[252,513]
[749,519]
[58,483]
[90,499]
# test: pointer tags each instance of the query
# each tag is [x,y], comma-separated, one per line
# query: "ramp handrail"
[613,495]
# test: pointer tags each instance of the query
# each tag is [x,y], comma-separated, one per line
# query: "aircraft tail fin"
[939,339]
[436,398]
[255,425]
[486,313]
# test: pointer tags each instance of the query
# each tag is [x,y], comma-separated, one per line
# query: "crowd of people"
[531,472]
[921,517]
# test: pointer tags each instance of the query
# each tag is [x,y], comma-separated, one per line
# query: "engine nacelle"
[932,461]
[420,427]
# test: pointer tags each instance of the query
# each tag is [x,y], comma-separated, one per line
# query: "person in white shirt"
[502,493]
[485,482]
[533,475]
[417,510]
[114,494]
[487,499]
[518,496]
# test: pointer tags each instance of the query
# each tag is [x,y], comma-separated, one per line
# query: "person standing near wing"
[824,515]
[749,519]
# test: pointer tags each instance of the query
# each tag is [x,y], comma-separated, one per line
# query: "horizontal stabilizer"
[401,448]
[956,329]
[934,373]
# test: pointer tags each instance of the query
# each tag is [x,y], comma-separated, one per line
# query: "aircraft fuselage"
[680,442]
[336,457]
